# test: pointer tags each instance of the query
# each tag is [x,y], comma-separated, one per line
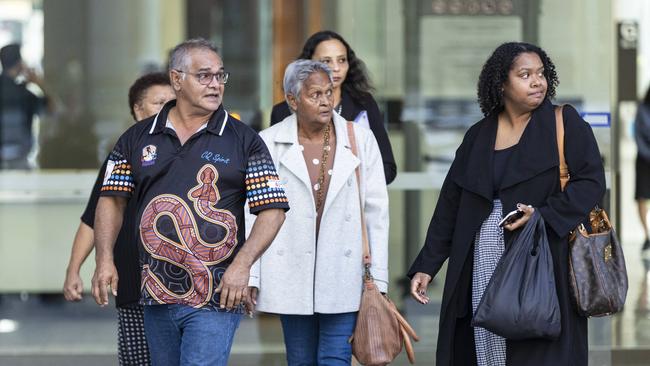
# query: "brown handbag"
[380,330]
[597,274]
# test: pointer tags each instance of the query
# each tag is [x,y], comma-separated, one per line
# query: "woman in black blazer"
[509,159]
[351,94]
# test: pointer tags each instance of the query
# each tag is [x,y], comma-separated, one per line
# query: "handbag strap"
[364,229]
[599,219]
[559,128]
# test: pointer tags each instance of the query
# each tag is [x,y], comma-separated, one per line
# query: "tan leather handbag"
[597,274]
[381,329]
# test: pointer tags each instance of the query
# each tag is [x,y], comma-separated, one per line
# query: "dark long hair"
[356,83]
[495,74]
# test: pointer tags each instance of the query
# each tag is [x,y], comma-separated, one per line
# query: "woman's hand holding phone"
[511,217]
[518,218]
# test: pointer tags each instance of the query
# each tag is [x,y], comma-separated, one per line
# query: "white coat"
[296,276]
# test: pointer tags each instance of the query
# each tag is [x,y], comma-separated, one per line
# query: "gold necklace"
[323,164]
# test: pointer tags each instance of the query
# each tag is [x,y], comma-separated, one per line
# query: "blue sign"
[597,119]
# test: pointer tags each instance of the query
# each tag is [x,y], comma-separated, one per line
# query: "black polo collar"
[216,123]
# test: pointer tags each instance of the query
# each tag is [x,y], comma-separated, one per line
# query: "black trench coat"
[531,177]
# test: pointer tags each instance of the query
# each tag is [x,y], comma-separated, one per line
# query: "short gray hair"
[178,55]
[299,71]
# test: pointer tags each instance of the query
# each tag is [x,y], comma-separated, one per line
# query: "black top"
[125,253]
[350,109]
[500,164]
[190,201]
[642,131]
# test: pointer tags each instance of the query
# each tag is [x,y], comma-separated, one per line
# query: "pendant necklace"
[323,163]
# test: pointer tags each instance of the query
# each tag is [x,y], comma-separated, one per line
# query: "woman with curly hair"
[509,160]
[351,95]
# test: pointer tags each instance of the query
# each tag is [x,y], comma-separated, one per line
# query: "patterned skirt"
[488,248]
[132,348]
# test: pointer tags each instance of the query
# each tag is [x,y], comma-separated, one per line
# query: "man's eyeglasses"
[205,78]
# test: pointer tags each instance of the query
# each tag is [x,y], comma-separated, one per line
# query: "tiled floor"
[57,333]
[54,332]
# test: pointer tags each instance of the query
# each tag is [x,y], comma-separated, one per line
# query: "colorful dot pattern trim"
[120,178]
[262,183]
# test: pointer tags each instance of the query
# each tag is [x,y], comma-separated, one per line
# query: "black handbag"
[597,273]
[520,301]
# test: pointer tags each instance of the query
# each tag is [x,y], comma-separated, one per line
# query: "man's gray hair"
[299,71]
[178,56]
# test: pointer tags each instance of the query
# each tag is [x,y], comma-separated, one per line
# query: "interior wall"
[638,10]
[579,38]
[91,65]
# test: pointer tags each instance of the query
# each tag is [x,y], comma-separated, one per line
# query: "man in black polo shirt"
[191,169]
[147,95]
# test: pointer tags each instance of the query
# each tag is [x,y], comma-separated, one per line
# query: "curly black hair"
[144,82]
[495,73]
[356,83]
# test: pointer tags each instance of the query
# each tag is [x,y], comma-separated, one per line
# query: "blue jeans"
[183,335]
[319,339]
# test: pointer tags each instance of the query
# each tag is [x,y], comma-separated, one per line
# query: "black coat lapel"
[349,110]
[535,153]
[537,148]
[475,171]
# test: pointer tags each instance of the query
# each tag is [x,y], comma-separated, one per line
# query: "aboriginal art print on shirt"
[188,251]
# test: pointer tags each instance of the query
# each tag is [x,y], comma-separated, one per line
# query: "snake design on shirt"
[192,253]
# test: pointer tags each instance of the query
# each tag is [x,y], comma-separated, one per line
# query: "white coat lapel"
[344,162]
[292,158]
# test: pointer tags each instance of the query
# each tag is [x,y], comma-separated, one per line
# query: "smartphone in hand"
[511,217]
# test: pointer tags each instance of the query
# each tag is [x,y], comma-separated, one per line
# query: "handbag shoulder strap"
[364,229]
[559,128]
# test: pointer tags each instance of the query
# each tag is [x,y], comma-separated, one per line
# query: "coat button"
[280,252]
[348,217]
[348,252]
[349,181]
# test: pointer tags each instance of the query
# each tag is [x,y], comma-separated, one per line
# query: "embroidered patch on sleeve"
[274,183]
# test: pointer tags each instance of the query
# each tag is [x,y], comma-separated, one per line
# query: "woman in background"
[351,94]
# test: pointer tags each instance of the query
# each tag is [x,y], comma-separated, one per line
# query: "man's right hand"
[105,276]
[419,284]
[73,286]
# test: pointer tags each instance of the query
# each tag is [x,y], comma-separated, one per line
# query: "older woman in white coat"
[311,275]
